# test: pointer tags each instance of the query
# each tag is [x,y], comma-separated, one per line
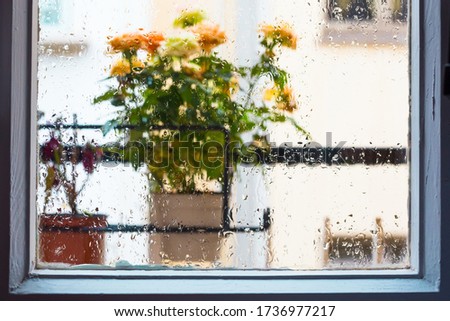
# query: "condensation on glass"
[337,201]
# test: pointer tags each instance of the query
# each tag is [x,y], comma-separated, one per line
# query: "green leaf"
[299,128]
[189,19]
[106,96]
[50,179]
[280,77]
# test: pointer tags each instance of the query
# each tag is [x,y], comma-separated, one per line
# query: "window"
[50,12]
[395,10]
[424,281]
[366,23]
[353,10]
[257,223]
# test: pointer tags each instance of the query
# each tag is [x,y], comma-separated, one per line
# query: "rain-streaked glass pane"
[223,134]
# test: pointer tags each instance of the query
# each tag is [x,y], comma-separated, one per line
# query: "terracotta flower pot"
[71,239]
[200,211]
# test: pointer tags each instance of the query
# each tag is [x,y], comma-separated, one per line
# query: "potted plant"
[68,235]
[176,95]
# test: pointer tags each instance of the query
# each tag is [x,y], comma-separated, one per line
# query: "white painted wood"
[220,286]
[430,76]
[415,143]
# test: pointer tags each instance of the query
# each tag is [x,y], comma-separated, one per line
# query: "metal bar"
[151,228]
[331,156]
[226,184]
[121,127]
[282,154]
[154,229]
[289,156]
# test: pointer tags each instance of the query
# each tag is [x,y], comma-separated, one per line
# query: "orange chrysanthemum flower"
[282,34]
[135,41]
[128,41]
[152,41]
[209,36]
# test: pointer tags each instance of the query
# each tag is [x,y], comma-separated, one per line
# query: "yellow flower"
[135,41]
[136,64]
[270,94]
[122,67]
[209,36]
[282,34]
[233,86]
[181,47]
[284,99]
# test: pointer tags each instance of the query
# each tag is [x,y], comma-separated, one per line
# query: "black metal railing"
[110,154]
[288,155]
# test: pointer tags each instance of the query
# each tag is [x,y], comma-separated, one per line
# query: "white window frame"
[16,123]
